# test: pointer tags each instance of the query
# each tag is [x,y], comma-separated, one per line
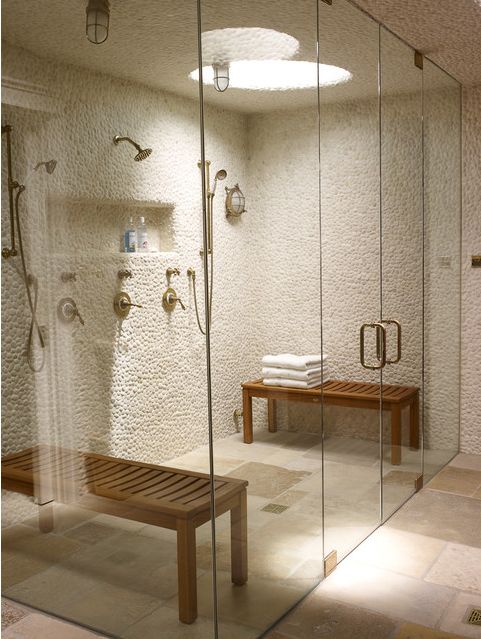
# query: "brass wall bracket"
[330,563]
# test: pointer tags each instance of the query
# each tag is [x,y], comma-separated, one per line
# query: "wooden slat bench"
[157,495]
[341,393]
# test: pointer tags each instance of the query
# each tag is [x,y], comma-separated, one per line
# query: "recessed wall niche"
[82,226]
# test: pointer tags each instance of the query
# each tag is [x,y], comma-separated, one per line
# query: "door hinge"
[330,563]
[418,483]
[418,59]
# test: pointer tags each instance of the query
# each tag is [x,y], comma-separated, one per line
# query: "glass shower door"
[351,279]
[401,102]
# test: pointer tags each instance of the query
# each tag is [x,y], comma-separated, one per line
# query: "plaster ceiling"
[154,42]
[446,31]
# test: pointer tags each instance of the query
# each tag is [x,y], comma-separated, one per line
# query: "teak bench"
[157,495]
[340,393]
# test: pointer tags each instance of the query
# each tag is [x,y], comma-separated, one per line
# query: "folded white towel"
[292,373]
[291,383]
[298,362]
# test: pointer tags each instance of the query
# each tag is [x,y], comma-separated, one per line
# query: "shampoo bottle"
[142,239]
[130,238]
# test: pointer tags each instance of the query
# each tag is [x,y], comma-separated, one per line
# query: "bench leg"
[238,520]
[187,571]
[45,517]
[247,417]
[272,415]
[395,435]
[414,424]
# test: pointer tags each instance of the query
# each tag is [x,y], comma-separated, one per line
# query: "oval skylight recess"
[277,75]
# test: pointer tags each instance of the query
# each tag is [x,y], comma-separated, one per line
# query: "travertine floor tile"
[266,480]
[460,481]
[464,460]
[413,631]
[320,617]
[436,514]
[386,592]
[400,551]
[458,566]
[35,626]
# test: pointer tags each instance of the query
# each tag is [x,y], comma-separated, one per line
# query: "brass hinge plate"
[418,59]
[330,563]
[418,483]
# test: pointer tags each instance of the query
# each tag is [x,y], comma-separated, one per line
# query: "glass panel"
[349,126]
[130,387]
[263,131]
[402,268]
[442,178]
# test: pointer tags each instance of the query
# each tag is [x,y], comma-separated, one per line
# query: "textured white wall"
[138,390]
[471,280]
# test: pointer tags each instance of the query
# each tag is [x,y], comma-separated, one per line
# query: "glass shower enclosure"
[161,477]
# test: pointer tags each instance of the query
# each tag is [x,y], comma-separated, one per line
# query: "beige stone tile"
[320,617]
[458,566]
[454,618]
[257,604]
[291,497]
[52,590]
[11,614]
[401,551]
[414,631]
[442,515]
[118,524]
[163,622]
[386,592]
[460,481]
[477,494]
[464,460]
[266,480]
[107,607]
[65,517]
[92,533]
[37,626]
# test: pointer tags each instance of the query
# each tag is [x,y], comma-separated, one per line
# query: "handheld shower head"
[220,175]
[141,153]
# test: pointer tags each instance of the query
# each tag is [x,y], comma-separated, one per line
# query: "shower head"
[220,175]
[141,153]
[49,166]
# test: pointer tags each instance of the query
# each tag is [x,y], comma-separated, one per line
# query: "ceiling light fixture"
[97,25]
[220,72]
[276,75]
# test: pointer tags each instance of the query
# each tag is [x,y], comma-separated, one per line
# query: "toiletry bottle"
[130,238]
[142,239]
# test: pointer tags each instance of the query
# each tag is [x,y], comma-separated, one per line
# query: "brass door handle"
[398,340]
[381,336]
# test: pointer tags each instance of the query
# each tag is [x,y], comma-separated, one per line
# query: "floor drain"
[474,617]
[277,509]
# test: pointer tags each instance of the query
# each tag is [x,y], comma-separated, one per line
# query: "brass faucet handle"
[172,271]
[80,318]
[125,304]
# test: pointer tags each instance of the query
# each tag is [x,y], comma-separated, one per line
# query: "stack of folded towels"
[293,371]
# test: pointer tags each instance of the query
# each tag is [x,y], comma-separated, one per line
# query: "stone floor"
[119,577]
[416,577]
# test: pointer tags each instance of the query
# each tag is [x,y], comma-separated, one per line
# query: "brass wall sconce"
[234,202]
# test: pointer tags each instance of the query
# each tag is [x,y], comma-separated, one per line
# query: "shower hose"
[210,295]
[30,281]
